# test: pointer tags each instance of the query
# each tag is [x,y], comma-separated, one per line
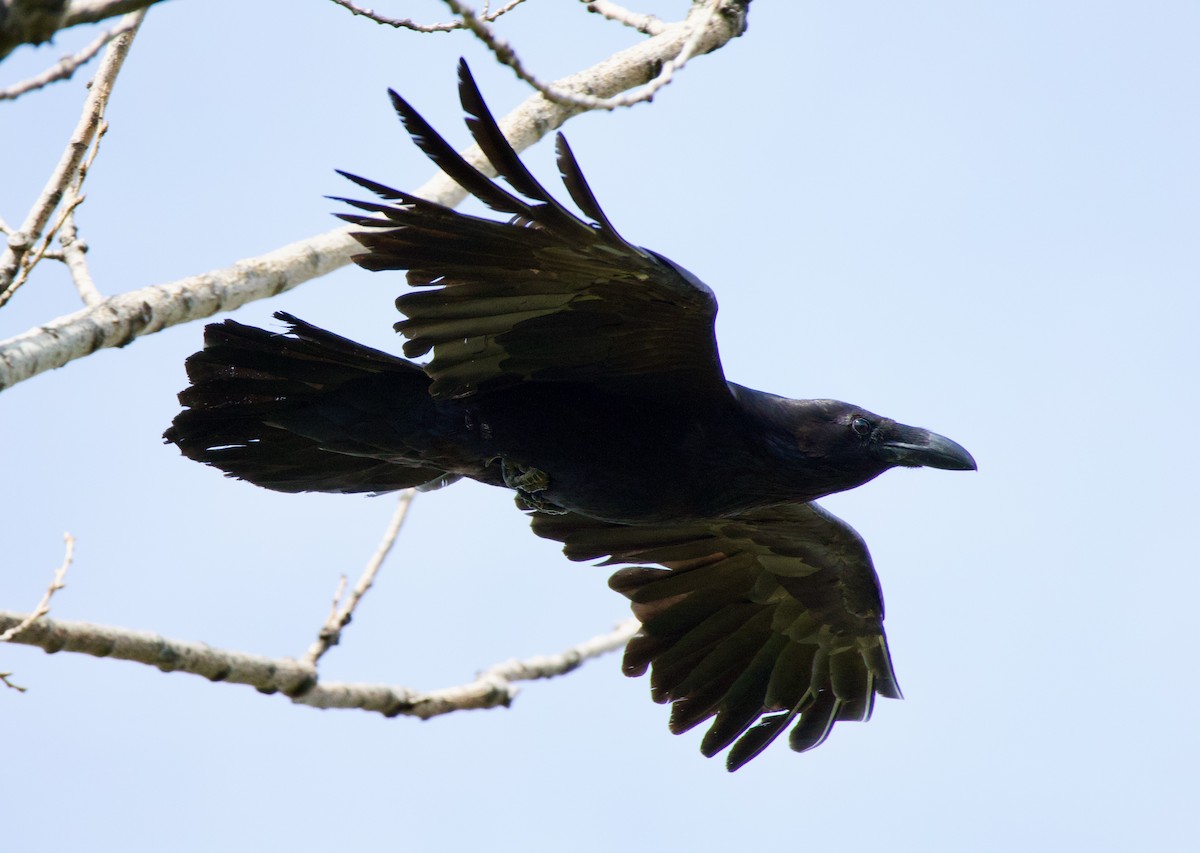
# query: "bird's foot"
[523,479]
[529,484]
[537,504]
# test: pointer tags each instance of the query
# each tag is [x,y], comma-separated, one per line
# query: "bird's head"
[859,445]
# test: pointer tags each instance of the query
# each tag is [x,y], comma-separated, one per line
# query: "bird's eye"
[861,426]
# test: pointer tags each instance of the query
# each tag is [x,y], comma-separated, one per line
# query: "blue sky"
[981,218]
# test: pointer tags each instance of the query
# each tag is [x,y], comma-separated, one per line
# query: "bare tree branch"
[340,615]
[297,679]
[704,16]
[36,21]
[28,21]
[648,24]
[66,67]
[74,249]
[43,606]
[120,319]
[5,679]
[32,258]
[74,255]
[409,24]
[494,686]
[14,265]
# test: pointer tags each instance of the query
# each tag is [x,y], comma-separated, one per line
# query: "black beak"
[913,447]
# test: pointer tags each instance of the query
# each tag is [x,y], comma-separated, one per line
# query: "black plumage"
[582,372]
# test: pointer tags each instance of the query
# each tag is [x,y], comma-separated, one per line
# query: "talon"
[528,483]
[532,502]
[523,479]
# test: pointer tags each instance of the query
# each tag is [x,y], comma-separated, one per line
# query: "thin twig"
[74,255]
[297,679]
[5,676]
[410,24]
[648,24]
[14,260]
[331,632]
[74,249]
[66,67]
[495,685]
[44,605]
[72,201]
[505,54]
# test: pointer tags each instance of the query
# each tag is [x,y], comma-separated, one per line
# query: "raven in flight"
[581,371]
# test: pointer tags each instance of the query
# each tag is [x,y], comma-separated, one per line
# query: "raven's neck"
[791,469]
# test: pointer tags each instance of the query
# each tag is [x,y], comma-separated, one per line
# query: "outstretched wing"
[762,620]
[545,296]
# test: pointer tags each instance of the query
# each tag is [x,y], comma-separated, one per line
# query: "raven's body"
[582,372]
[642,461]
[564,446]
[599,459]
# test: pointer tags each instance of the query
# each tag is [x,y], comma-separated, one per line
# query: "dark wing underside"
[545,296]
[763,620]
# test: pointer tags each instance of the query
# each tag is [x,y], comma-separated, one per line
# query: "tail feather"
[305,411]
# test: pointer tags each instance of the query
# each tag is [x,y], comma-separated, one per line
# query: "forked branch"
[494,687]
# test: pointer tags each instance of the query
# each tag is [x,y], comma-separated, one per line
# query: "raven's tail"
[306,412]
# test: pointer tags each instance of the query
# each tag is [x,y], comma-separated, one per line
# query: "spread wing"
[762,620]
[545,296]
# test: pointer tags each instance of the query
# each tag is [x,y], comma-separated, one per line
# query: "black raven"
[582,372]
